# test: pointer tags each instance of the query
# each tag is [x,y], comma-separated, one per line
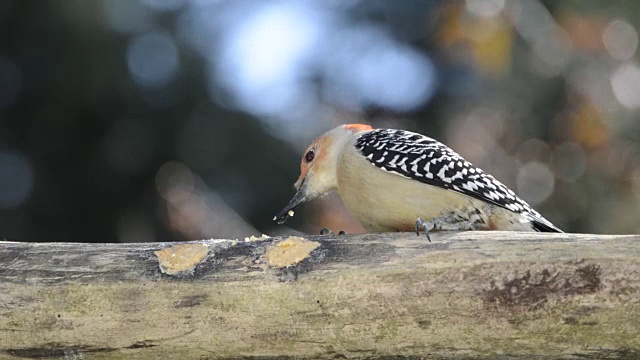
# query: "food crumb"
[253,238]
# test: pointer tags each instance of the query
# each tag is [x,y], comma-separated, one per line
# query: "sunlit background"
[156,120]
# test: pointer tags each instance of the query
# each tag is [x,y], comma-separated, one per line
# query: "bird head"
[318,167]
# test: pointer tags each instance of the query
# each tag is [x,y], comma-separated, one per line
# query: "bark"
[465,295]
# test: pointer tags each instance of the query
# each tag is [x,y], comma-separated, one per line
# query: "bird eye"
[310,155]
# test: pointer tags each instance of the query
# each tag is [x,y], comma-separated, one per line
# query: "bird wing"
[424,159]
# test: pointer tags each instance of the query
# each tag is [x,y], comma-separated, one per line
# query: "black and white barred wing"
[424,159]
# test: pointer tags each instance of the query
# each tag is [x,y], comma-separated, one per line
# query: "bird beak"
[297,199]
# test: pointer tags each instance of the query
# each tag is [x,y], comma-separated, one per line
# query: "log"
[465,295]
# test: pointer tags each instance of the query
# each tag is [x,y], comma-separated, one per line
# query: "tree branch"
[471,294]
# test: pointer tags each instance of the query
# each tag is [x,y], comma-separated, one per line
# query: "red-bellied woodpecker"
[396,180]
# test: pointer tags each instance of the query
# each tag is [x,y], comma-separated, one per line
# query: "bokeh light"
[535,182]
[153,58]
[553,48]
[268,58]
[624,81]
[485,8]
[193,209]
[373,70]
[16,179]
[620,39]
[263,57]
[569,161]
[143,120]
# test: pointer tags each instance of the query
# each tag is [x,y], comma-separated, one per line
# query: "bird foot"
[424,226]
[327,231]
[452,222]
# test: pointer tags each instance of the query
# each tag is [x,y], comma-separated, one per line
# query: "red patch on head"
[357,127]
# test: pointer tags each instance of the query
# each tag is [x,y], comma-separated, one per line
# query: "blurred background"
[157,120]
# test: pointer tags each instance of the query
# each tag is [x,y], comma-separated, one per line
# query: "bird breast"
[385,201]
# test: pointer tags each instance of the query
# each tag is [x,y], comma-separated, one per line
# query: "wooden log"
[465,295]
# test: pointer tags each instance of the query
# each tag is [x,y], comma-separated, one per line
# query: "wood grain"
[465,295]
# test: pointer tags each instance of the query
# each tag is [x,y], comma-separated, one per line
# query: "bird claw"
[425,226]
[327,231]
[451,221]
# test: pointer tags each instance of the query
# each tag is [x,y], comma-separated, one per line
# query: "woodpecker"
[397,180]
